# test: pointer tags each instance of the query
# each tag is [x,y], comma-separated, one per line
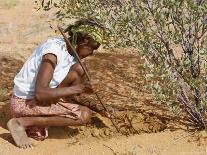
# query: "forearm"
[45,94]
[88,102]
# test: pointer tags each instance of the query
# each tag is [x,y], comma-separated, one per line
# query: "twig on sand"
[115,153]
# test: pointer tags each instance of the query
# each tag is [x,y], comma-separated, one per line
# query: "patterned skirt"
[29,108]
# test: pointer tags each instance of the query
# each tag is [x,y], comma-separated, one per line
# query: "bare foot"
[18,133]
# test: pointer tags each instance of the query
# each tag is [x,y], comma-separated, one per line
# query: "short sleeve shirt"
[25,80]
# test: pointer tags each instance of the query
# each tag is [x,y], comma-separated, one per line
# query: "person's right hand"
[90,86]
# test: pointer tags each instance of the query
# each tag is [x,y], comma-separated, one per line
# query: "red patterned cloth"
[29,107]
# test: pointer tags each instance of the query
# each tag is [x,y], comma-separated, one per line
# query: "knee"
[79,70]
[86,114]
[78,76]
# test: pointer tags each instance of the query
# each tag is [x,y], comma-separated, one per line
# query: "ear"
[86,40]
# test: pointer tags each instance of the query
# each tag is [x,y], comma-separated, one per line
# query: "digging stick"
[87,75]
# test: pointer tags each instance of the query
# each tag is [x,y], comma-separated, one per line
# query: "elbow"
[43,94]
[38,95]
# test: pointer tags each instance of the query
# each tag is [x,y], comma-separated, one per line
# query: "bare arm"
[42,90]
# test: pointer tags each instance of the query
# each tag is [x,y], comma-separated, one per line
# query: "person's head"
[86,35]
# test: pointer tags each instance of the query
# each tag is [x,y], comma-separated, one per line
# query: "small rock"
[95,133]
[106,132]
[81,128]
[203,134]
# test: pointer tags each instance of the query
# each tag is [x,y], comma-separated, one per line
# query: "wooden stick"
[87,75]
[115,153]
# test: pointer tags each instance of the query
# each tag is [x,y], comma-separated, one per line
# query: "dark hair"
[88,21]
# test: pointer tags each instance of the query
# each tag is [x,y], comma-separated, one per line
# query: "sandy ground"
[22,28]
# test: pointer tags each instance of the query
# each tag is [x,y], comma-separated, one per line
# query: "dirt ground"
[120,73]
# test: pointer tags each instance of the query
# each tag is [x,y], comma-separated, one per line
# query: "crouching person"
[44,85]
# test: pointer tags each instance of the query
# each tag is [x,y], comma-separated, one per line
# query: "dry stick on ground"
[115,153]
[87,75]
[133,130]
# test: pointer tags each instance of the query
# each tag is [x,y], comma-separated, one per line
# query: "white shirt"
[24,82]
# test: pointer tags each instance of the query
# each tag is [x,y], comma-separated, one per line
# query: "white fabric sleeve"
[53,48]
